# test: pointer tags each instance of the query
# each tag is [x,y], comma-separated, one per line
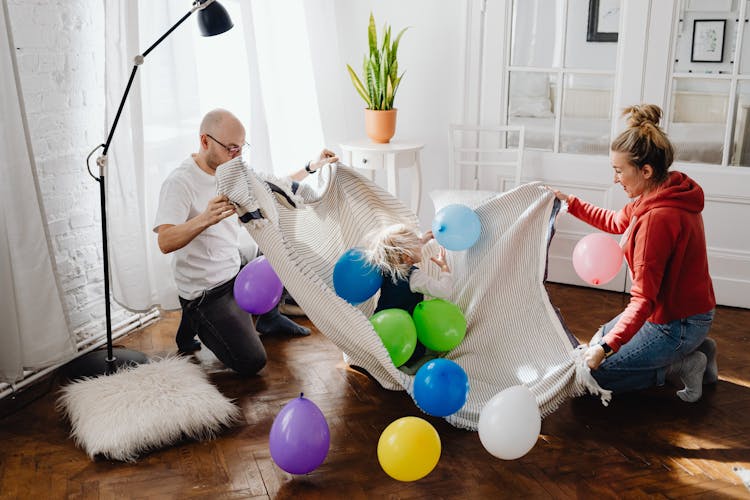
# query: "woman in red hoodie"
[663,330]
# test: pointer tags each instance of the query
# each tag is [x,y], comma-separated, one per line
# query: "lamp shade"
[214,19]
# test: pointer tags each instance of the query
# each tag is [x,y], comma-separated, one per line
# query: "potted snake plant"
[381,81]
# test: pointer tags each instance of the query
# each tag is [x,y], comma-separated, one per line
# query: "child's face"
[409,260]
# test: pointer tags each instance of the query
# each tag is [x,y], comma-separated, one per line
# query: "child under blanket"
[396,250]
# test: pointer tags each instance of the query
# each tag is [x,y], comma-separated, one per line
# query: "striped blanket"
[514,334]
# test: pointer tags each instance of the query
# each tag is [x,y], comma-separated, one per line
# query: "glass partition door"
[709,95]
[561,74]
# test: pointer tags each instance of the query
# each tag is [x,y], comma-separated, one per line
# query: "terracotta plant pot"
[380,125]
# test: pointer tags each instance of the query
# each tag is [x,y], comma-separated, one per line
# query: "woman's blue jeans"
[644,360]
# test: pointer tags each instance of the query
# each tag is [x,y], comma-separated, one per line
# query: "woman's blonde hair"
[644,141]
[387,247]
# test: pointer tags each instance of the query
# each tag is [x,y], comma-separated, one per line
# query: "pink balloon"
[597,258]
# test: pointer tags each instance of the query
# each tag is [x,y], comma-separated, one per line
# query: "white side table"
[366,155]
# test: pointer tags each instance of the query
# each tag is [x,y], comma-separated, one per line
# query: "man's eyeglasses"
[232,150]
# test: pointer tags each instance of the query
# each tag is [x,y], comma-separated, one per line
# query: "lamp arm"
[138,60]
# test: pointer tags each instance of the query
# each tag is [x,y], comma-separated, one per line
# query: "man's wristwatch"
[607,349]
[308,169]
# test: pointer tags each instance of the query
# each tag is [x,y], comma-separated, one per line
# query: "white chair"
[496,150]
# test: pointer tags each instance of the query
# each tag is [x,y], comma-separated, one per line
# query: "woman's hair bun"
[641,114]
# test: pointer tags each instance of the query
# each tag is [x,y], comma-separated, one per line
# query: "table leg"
[391,174]
[416,183]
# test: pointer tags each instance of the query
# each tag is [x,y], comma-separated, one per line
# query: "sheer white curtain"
[33,331]
[272,70]
[294,63]
[141,276]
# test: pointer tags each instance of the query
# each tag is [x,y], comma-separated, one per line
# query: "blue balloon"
[354,278]
[456,227]
[441,387]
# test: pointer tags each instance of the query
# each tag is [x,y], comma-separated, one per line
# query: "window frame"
[734,77]
[560,71]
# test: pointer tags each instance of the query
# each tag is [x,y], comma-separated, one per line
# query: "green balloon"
[396,329]
[441,325]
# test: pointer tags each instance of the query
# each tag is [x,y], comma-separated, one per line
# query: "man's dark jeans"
[224,328]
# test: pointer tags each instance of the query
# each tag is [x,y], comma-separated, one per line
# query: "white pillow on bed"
[529,95]
[536,107]
[144,407]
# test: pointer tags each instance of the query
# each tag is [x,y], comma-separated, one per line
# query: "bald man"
[202,231]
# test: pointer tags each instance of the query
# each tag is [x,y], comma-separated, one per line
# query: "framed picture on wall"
[604,20]
[708,40]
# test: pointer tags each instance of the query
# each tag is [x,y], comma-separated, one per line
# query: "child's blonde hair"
[387,247]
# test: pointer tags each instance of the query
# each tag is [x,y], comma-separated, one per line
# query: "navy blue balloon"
[456,227]
[441,387]
[354,278]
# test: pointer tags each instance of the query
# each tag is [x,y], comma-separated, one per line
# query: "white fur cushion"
[144,407]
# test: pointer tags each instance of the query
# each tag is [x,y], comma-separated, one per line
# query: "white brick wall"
[60,51]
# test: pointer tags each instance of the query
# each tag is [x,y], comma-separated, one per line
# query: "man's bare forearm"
[174,237]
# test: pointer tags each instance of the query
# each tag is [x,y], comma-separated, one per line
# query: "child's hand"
[426,237]
[441,262]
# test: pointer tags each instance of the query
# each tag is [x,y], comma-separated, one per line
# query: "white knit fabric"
[514,335]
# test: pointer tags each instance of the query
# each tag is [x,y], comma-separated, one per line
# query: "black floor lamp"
[213,19]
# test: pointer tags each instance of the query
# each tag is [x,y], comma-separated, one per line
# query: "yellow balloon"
[408,449]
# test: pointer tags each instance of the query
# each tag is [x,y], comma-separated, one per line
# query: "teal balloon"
[354,278]
[397,332]
[456,227]
[441,325]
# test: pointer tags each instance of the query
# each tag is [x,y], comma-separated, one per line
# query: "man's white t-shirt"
[212,257]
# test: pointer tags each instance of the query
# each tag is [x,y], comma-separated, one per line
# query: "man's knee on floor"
[250,366]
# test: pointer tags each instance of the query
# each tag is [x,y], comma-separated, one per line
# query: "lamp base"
[95,363]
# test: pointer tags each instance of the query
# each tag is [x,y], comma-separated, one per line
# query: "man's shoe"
[273,323]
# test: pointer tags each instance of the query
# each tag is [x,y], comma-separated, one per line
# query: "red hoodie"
[666,252]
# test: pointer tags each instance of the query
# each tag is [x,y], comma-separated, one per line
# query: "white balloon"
[510,422]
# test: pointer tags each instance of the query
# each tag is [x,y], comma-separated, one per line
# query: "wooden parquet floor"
[644,445]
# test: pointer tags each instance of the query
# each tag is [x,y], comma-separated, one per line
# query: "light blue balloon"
[441,387]
[456,227]
[354,278]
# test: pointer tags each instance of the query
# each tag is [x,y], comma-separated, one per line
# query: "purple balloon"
[257,289]
[299,438]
